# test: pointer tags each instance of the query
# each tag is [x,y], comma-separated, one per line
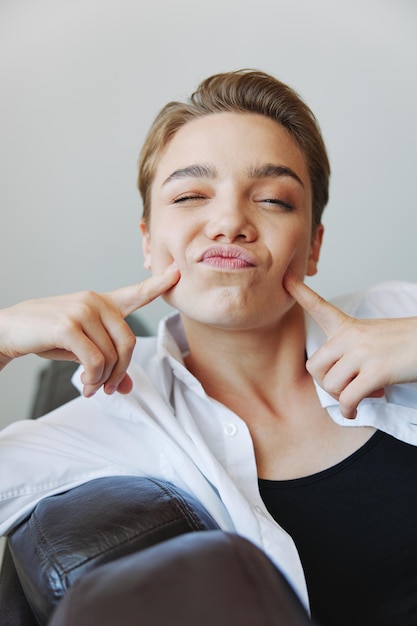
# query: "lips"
[227,257]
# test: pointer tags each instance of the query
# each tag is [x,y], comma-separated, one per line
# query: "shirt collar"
[173,346]
[171,338]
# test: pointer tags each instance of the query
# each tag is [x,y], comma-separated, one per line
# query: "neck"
[251,361]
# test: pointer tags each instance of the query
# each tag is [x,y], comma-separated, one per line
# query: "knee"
[203,578]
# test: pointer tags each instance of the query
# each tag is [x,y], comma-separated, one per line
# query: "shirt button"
[230,430]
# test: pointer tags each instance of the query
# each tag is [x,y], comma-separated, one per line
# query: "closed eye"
[279,202]
[188,197]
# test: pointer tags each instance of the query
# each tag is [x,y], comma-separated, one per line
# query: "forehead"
[231,143]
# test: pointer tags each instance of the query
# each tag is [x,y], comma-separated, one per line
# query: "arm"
[360,357]
[85,327]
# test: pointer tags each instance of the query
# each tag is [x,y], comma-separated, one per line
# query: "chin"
[225,317]
[234,307]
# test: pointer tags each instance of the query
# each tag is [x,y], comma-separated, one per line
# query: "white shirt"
[167,427]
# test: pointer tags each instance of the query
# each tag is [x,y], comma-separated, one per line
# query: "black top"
[355,527]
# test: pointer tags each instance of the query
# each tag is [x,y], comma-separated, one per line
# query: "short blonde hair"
[242,91]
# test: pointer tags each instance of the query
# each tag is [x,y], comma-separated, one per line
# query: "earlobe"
[314,254]
[146,245]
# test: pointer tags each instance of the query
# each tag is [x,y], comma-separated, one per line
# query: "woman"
[222,403]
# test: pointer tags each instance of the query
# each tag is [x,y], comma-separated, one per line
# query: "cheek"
[160,259]
[165,248]
[293,253]
[174,240]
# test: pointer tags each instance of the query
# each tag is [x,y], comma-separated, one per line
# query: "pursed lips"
[227,257]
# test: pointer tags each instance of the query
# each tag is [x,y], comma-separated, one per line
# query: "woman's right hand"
[85,327]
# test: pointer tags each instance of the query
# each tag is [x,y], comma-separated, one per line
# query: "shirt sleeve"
[71,445]
[385,300]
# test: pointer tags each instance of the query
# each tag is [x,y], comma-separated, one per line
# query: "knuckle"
[86,302]
[349,399]
[110,357]
[143,292]
[310,367]
[148,289]
[331,388]
[318,301]
[128,342]
[124,342]
[87,295]
[96,362]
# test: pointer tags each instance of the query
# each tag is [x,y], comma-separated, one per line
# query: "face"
[231,204]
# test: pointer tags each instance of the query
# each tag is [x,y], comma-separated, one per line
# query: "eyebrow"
[274,171]
[269,170]
[192,171]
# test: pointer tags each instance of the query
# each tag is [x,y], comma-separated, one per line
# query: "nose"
[230,220]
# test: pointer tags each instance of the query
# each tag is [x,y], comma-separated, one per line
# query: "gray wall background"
[81,81]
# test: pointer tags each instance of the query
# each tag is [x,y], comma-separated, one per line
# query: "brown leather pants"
[208,578]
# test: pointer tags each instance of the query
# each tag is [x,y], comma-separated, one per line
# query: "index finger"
[327,316]
[129,299]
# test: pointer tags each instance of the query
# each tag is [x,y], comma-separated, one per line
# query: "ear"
[146,245]
[315,247]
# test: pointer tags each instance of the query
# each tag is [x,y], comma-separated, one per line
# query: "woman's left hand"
[360,356]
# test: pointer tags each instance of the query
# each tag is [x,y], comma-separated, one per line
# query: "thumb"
[327,316]
[129,299]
